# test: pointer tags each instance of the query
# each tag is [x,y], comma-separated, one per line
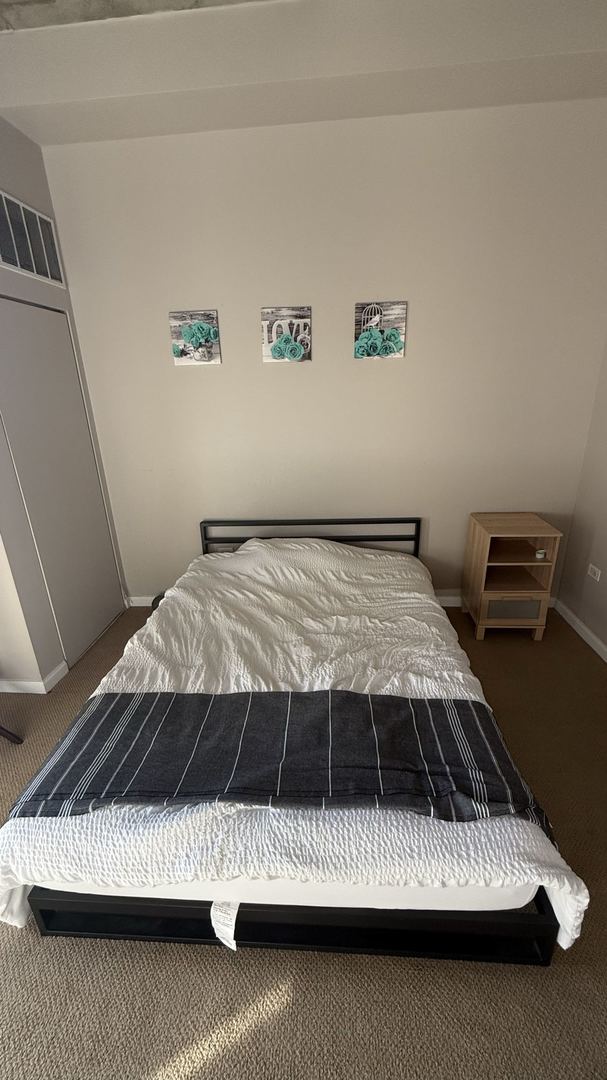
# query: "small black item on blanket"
[441,757]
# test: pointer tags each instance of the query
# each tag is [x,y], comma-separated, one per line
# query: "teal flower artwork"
[286,334]
[374,338]
[195,337]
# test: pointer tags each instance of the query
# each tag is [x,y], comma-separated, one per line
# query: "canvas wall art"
[195,337]
[380,328]
[286,334]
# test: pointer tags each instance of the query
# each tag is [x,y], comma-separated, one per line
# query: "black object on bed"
[439,757]
[523,936]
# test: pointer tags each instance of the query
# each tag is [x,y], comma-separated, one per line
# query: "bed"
[285,621]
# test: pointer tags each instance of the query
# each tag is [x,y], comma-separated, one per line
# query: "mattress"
[293,615]
[282,891]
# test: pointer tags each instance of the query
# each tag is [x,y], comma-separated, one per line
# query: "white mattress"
[278,891]
[293,615]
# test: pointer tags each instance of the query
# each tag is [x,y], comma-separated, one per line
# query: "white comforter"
[298,615]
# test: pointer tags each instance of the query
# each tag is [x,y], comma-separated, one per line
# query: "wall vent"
[27,241]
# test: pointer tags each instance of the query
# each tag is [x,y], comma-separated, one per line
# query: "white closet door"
[43,415]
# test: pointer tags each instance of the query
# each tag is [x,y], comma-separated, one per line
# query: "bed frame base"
[527,936]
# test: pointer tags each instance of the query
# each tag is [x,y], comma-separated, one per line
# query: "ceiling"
[272,62]
[27,14]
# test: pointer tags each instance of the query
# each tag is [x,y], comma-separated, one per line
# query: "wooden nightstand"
[504,583]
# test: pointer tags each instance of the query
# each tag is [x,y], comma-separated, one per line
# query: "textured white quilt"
[298,615]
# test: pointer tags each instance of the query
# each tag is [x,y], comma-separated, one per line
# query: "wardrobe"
[53,518]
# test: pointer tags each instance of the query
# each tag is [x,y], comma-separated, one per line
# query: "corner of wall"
[583,601]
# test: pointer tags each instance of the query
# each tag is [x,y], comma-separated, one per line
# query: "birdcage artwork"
[195,337]
[372,316]
[380,328]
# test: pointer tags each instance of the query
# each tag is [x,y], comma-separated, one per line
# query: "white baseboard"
[448,599]
[21,686]
[444,598]
[584,631]
[54,676]
[34,686]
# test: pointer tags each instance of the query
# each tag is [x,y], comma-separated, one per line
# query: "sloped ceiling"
[291,61]
[26,14]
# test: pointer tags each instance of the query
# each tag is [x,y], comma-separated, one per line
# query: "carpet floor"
[110,1010]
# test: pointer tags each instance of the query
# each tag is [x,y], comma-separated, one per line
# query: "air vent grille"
[27,241]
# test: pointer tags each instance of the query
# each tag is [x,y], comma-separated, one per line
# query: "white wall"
[491,223]
[584,596]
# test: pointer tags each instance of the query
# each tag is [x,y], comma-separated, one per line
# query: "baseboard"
[454,599]
[54,676]
[448,599]
[34,686]
[584,631]
[445,599]
[21,686]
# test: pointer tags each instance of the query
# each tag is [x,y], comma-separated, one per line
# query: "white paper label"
[223,918]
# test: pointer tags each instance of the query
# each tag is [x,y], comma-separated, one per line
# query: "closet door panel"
[45,422]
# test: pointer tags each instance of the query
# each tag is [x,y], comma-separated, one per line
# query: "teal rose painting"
[380,328]
[286,335]
[195,337]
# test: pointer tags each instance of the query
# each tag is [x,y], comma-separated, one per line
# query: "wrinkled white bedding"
[299,615]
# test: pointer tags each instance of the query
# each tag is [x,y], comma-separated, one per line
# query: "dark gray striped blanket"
[440,757]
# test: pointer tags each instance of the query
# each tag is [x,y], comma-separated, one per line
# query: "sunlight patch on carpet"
[226,1035]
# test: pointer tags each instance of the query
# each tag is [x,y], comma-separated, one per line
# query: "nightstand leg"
[480,633]
[538,633]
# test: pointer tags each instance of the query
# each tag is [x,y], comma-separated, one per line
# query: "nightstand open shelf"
[506,584]
[507,552]
[515,579]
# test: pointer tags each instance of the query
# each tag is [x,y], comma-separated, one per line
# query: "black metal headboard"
[369,531]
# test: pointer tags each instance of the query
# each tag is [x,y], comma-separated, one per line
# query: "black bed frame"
[273,528]
[505,937]
[520,936]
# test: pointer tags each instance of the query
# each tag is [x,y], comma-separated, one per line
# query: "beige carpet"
[95,1010]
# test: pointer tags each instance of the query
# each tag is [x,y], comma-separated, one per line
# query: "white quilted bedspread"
[299,615]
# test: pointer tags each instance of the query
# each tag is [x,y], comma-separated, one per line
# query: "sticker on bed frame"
[286,334]
[380,328]
[195,337]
